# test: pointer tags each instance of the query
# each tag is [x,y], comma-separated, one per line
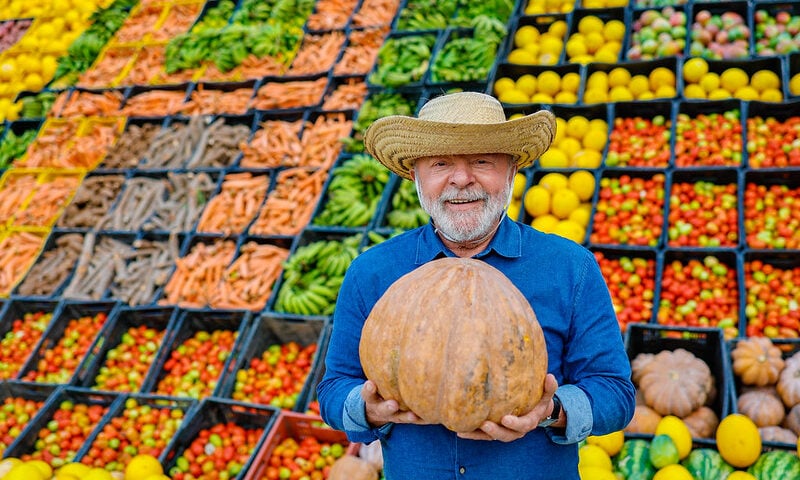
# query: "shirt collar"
[507,242]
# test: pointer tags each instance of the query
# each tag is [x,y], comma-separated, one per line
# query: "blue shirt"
[563,284]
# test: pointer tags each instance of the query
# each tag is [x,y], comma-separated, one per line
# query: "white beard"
[465,226]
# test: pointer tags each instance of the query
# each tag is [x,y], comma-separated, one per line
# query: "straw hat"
[456,124]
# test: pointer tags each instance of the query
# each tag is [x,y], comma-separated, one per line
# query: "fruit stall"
[184,184]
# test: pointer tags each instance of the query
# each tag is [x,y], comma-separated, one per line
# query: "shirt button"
[462,470]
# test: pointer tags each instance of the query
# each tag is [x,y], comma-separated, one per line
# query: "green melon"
[633,460]
[776,465]
[707,464]
[663,451]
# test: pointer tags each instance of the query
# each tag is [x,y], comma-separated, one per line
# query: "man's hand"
[380,412]
[512,427]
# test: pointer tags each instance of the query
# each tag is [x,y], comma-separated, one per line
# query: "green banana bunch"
[216,16]
[354,193]
[426,15]
[469,9]
[406,212]
[403,60]
[313,274]
[377,105]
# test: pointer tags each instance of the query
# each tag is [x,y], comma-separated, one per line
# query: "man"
[462,155]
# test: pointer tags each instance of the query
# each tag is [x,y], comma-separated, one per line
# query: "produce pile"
[184,184]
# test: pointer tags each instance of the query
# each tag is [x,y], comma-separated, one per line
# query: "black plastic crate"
[38,314]
[188,325]
[656,114]
[32,398]
[543,24]
[213,412]
[709,152]
[44,366]
[53,267]
[707,344]
[117,337]
[605,15]
[759,115]
[662,74]
[279,336]
[42,433]
[733,9]
[640,46]
[515,72]
[424,15]
[393,68]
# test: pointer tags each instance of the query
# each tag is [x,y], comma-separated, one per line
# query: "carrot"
[50,144]
[210,101]
[331,14]
[64,145]
[251,67]
[92,144]
[349,95]
[322,141]
[139,24]
[18,250]
[361,51]
[198,274]
[375,13]
[291,203]
[292,94]
[15,191]
[317,54]
[275,144]
[48,201]
[148,69]
[247,283]
[154,103]
[178,20]
[87,104]
[235,206]
[110,64]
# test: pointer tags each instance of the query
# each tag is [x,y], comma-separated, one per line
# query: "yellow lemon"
[570,82]
[533,49]
[44,467]
[537,201]
[513,96]
[740,475]
[694,90]
[638,85]
[7,464]
[33,82]
[593,456]
[554,181]
[526,84]
[141,466]
[520,181]
[771,95]
[614,30]
[99,473]
[588,159]
[503,84]
[540,97]
[25,471]
[608,53]
[576,47]
[674,471]
[764,79]
[545,223]
[554,158]
[710,82]
[564,202]
[520,56]
[694,69]
[570,146]
[665,91]
[549,82]
[593,41]
[571,230]
[595,95]
[590,23]
[738,440]
[595,140]
[526,34]
[619,77]
[794,84]
[74,468]
[558,28]
[561,130]
[611,442]
[577,126]
[733,78]
[620,94]
[719,94]
[514,207]
[550,44]
[678,431]
[596,473]
[597,79]
[158,477]
[8,69]
[565,97]
[582,182]
[599,125]
[661,76]
[746,93]
[580,216]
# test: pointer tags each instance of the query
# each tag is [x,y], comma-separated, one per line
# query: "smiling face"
[465,195]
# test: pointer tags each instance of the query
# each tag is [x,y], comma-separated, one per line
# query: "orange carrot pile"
[48,200]
[317,54]
[251,67]
[177,21]
[331,14]
[235,206]
[51,143]
[139,24]
[198,274]
[148,69]
[291,203]
[89,104]
[92,143]
[349,95]
[322,141]
[154,103]
[18,250]
[292,94]
[375,13]
[15,191]
[209,101]
[361,51]
[247,283]
[275,144]
[108,67]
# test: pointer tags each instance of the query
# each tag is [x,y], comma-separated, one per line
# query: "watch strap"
[553,417]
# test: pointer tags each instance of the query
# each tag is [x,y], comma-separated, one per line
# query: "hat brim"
[397,141]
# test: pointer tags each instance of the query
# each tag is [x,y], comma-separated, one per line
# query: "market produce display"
[183,185]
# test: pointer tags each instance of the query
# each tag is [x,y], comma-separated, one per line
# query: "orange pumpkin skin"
[455,342]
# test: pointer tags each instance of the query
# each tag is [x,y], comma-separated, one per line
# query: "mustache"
[462,195]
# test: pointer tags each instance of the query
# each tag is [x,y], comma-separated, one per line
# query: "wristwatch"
[553,415]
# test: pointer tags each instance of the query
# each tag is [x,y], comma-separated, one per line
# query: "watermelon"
[707,464]
[776,464]
[663,451]
[633,460]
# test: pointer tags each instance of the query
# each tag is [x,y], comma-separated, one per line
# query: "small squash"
[702,422]
[455,342]
[350,467]
[792,420]
[789,381]
[763,406]
[757,361]
[777,434]
[676,383]
[645,420]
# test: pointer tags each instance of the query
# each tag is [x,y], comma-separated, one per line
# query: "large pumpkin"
[455,342]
